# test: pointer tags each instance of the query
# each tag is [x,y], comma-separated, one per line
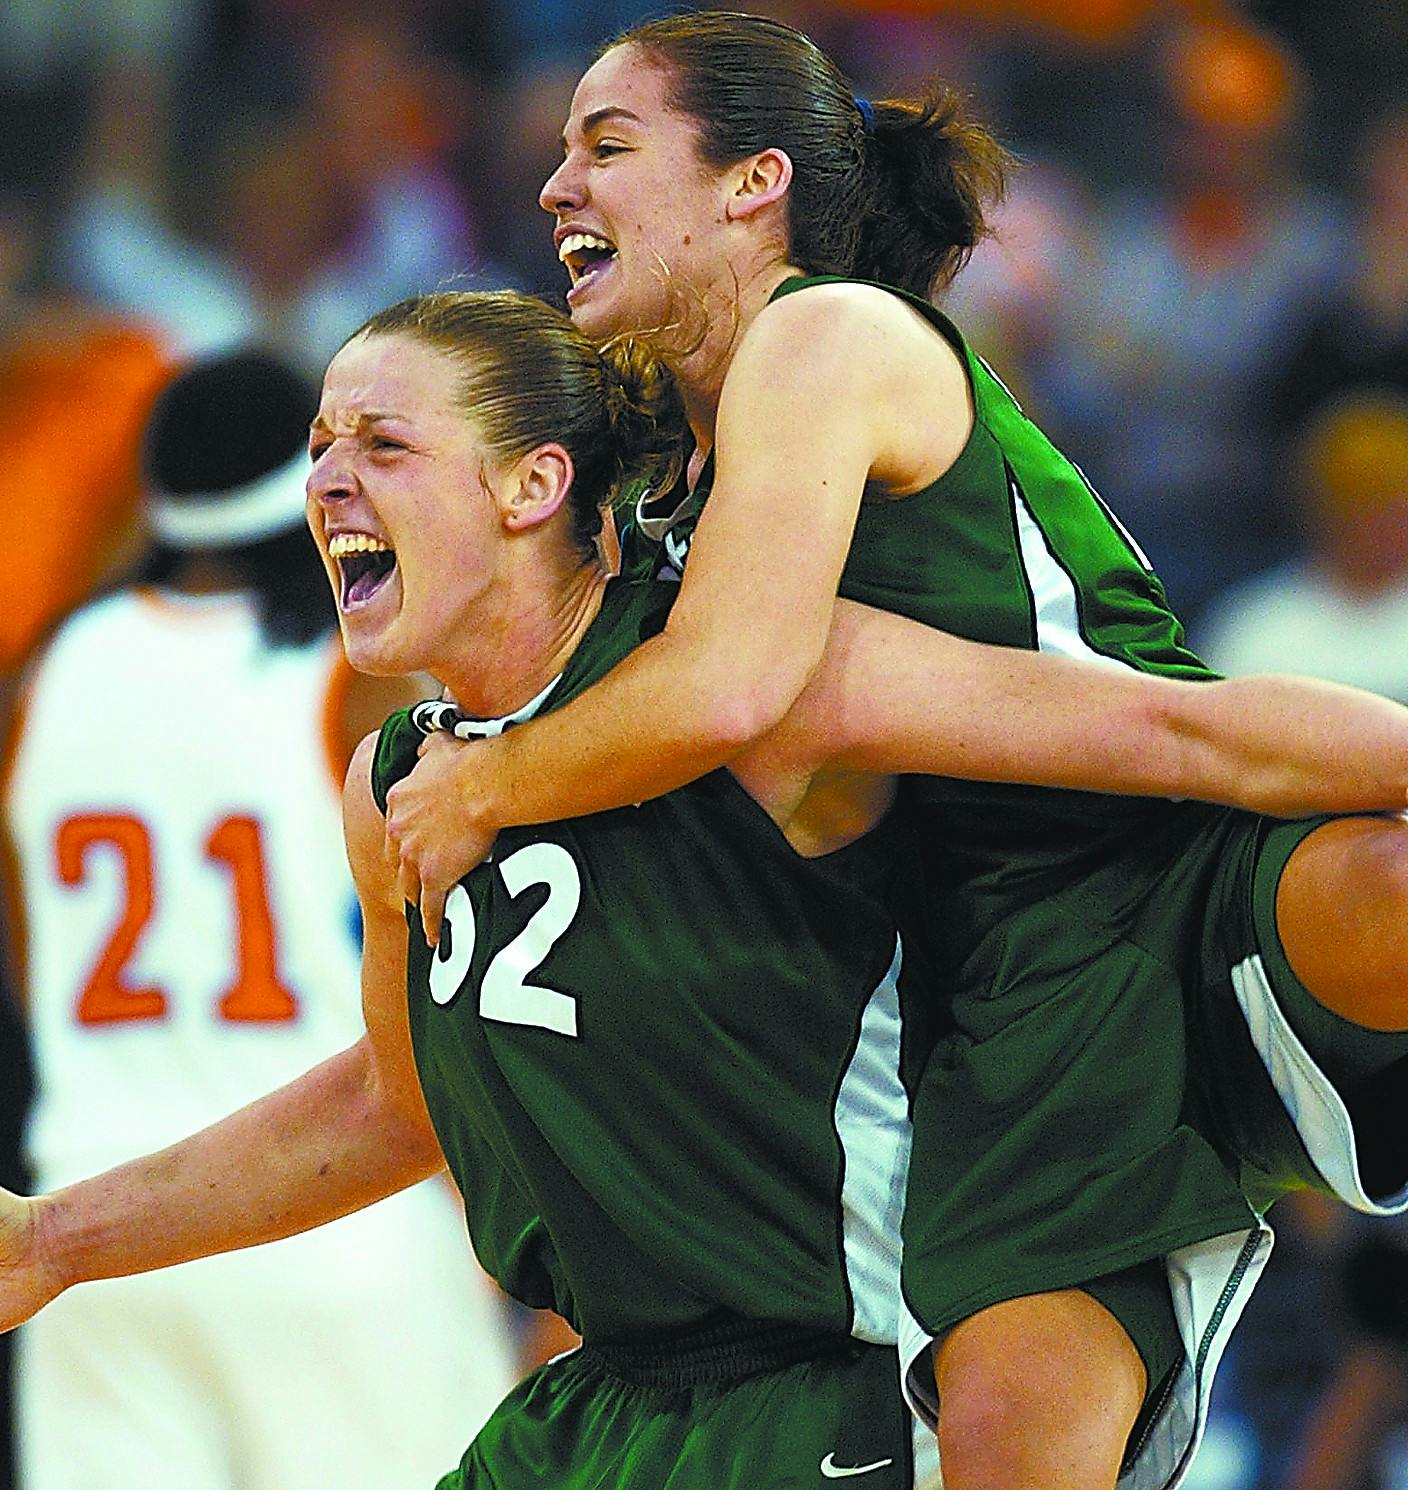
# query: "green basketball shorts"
[753,1409]
[1138,1089]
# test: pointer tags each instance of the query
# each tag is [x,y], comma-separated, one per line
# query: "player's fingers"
[391,843]
[407,880]
[432,913]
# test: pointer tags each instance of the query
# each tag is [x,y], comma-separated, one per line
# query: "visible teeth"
[355,543]
[576,242]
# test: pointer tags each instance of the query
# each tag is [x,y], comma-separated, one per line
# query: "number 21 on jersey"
[235,848]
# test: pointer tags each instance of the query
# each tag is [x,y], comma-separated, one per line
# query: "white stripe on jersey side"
[1053,594]
[1103,504]
[872,1122]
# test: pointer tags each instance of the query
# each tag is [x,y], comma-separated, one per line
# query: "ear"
[759,181]
[535,487]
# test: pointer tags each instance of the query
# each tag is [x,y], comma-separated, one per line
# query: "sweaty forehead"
[377,378]
[626,81]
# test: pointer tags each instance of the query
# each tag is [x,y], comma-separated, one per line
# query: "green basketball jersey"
[1012,545]
[666,1056]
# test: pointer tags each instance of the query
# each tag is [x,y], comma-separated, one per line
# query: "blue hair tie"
[867,114]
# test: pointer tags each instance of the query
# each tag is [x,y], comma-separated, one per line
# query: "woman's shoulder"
[858,323]
[821,298]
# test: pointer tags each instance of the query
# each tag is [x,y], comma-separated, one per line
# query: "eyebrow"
[600,116]
[369,416]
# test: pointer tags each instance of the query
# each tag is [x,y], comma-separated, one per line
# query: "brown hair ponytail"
[932,174]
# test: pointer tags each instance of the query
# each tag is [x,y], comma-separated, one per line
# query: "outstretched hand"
[26,1285]
[433,836]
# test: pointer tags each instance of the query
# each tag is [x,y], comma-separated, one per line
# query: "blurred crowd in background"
[1200,288]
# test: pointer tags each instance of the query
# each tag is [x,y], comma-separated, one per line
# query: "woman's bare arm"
[896,696]
[754,608]
[347,1133]
[802,424]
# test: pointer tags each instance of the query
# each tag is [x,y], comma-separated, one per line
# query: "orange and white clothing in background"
[190,944]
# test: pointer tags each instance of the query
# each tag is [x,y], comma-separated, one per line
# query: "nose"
[562,191]
[330,480]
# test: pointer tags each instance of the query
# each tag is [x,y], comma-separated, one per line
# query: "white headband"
[243,514]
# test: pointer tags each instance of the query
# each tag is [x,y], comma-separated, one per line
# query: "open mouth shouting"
[587,256]
[366,563]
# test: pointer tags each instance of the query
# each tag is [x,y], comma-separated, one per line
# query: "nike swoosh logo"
[833,1471]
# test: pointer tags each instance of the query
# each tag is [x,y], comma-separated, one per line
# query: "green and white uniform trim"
[669,1059]
[1125,1080]
[873,1124]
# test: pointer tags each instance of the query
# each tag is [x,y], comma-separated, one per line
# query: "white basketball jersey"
[190,918]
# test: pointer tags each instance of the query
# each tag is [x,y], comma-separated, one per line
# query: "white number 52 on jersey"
[506,994]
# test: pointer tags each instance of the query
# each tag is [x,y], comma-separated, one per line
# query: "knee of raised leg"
[992,1402]
[1040,1409]
[979,1420]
